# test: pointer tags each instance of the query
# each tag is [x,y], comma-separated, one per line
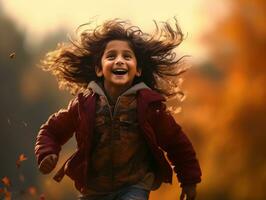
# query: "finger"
[182,196]
[191,196]
[52,160]
[44,169]
[48,163]
[45,160]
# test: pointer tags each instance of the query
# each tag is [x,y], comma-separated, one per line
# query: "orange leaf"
[21,158]
[32,190]
[42,197]
[7,195]
[6,181]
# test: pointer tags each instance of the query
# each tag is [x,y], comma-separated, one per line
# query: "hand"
[48,163]
[188,191]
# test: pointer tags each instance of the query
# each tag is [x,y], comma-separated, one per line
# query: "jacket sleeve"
[177,146]
[57,130]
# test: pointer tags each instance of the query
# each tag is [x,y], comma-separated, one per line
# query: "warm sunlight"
[39,18]
[223,113]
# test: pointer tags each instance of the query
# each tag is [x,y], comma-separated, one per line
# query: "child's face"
[118,65]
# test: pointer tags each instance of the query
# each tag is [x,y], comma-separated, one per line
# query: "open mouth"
[119,71]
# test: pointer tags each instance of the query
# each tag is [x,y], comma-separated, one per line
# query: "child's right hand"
[188,192]
[48,163]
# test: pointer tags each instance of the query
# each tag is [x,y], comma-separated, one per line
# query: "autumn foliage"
[223,114]
[28,193]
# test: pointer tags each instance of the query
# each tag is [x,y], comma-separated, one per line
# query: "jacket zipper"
[112,114]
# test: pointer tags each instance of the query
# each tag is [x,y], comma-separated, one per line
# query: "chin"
[122,83]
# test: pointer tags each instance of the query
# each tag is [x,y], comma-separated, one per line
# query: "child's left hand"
[188,191]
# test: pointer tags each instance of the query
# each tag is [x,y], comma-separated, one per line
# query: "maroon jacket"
[160,130]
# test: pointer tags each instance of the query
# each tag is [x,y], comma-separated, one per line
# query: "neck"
[114,92]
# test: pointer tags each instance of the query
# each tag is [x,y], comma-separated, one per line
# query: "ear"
[98,71]
[139,71]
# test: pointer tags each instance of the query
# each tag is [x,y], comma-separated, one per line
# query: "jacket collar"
[145,95]
[98,88]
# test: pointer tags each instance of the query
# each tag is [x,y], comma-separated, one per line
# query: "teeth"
[119,70]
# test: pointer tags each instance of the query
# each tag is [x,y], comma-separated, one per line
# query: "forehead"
[118,45]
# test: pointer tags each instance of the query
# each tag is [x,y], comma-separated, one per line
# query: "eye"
[110,57]
[127,56]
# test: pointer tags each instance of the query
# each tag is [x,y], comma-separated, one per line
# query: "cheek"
[105,66]
[134,66]
[106,70]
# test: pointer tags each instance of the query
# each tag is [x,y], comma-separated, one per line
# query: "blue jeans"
[128,193]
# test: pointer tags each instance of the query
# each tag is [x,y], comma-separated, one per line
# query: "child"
[120,122]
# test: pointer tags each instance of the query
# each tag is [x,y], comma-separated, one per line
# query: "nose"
[119,61]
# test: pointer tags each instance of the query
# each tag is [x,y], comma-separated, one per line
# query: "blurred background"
[224,113]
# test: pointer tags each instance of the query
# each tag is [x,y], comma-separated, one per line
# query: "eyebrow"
[124,51]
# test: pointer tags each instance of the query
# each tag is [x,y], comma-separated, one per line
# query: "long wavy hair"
[74,63]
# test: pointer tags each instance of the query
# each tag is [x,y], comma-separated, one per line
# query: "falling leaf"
[21,158]
[6,181]
[32,190]
[42,197]
[1,191]
[12,55]
[7,195]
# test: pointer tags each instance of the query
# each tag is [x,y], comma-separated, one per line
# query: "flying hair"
[74,63]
